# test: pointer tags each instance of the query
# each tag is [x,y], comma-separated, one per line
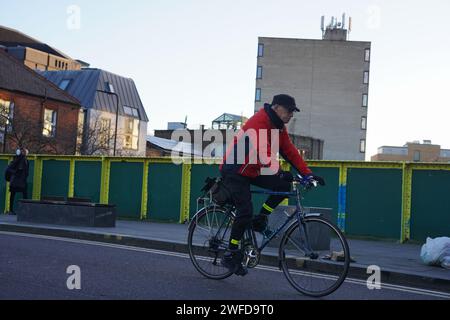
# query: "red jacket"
[256,155]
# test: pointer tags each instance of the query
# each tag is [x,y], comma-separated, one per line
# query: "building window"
[366,77]
[81,120]
[363,123]
[56,63]
[258,95]
[131,111]
[260,50]
[259,72]
[365,99]
[109,87]
[367,55]
[131,135]
[6,116]
[416,156]
[362,146]
[64,84]
[49,129]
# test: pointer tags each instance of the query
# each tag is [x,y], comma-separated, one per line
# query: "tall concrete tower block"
[329,79]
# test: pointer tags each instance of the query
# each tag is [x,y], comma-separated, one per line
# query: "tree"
[26,133]
[95,137]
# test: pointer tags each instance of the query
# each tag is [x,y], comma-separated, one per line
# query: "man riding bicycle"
[250,160]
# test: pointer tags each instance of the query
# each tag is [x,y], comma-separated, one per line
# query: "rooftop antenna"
[322,24]
[349,26]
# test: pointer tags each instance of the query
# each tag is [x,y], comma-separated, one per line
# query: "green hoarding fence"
[374,202]
[55,178]
[87,180]
[199,172]
[164,192]
[392,200]
[430,209]
[324,197]
[125,188]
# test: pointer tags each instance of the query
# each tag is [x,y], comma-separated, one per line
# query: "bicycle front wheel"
[315,256]
[209,234]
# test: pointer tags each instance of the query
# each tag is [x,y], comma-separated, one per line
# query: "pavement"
[400,264]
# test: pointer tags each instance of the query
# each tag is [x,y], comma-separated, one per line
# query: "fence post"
[7,193]
[144,191]
[185,192]
[406,202]
[104,186]
[71,178]
[37,178]
[342,196]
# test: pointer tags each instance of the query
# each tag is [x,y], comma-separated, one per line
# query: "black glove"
[320,180]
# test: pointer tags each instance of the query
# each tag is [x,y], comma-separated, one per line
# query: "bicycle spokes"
[208,239]
[305,257]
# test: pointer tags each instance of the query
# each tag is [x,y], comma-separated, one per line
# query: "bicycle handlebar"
[307,183]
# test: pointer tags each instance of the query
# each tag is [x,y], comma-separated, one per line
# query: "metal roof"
[84,84]
[172,145]
[12,38]
[15,76]
[229,117]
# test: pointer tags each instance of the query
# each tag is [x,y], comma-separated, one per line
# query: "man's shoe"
[260,223]
[232,260]
[241,271]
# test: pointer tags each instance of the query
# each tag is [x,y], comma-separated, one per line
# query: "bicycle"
[305,258]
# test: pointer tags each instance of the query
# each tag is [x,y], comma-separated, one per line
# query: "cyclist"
[239,171]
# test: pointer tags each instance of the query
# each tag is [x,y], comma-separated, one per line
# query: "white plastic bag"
[436,251]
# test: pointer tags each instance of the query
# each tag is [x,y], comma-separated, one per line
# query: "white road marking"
[432,293]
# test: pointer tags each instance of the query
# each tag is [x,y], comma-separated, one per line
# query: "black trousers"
[242,198]
[13,195]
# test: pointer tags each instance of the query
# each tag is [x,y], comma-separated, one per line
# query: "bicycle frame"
[295,245]
[299,215]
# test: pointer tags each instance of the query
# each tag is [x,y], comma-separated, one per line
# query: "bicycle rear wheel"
[209,234]
[315,257]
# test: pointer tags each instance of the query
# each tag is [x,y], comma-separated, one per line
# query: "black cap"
[286,101]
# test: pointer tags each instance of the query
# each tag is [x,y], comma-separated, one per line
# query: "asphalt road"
[35,267]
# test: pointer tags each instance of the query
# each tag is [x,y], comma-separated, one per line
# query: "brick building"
[34,113]
[34,53]
[414,152]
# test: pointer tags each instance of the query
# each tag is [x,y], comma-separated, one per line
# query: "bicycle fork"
[304,240]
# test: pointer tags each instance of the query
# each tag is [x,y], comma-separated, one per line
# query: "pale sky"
[198,58]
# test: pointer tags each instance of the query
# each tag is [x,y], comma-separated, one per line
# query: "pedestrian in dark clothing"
[18,169]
